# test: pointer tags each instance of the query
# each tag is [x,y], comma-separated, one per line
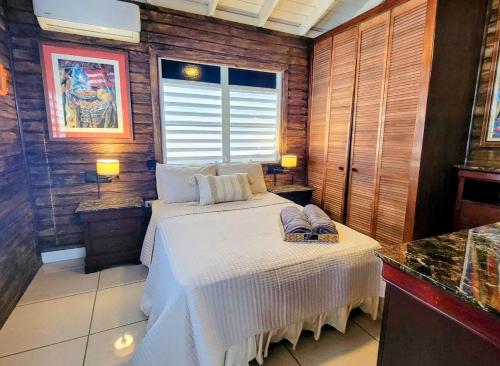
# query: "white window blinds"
[214,120]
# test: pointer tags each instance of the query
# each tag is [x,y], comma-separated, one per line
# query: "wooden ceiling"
[308,18]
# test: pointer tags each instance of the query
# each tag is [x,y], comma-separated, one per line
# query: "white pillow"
[254,170]
[172,181]
[223,188]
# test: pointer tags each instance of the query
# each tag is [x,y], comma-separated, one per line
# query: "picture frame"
[490,132]
[87,93]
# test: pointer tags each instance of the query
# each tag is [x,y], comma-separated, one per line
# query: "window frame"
[216,60]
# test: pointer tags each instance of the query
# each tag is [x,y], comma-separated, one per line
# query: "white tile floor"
[68,318]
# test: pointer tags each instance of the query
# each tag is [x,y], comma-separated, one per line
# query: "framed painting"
[87,93]
[490,134]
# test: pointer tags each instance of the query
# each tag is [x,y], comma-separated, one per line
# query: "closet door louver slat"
[318,117]
[401,108]
[341,98]
[372,50]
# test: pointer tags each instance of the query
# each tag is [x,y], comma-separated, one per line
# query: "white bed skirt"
[257,347]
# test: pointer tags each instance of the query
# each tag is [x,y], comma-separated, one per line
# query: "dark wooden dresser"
[478,197]
[113,230]
[299,194]
[442,300]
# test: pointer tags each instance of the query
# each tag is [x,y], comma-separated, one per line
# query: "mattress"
[220,274]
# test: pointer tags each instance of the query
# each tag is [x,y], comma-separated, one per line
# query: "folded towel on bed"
[294,221]
[320,221]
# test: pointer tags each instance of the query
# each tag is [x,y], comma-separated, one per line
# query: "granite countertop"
[109,204]
[290,188]
[465,263]
[477,168]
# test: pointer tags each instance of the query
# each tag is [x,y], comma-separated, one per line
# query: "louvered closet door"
[404,83]
[368,102]
[341,102]
[318,116]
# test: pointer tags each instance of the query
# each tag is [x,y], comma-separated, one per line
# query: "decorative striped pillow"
[223,188]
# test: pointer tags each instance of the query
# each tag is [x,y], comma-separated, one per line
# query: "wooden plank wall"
[19,260]
[484,156]
[57,169]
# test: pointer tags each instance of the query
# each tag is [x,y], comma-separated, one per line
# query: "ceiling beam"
[265,12]
[319,11]
[212,5]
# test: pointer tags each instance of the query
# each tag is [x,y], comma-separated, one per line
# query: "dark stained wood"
[56,169]
[471,212]
[487,156]
[424,325]
[455,61]
[19,259]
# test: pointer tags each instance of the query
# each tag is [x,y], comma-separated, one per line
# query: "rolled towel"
[294,221]
[320,222]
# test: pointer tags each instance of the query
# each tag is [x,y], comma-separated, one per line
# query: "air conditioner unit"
[111,19]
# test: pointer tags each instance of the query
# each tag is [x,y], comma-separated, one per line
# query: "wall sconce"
[288,162]
[106,170]
[4,86]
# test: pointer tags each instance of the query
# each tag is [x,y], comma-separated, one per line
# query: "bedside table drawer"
[110,228]
[114,244]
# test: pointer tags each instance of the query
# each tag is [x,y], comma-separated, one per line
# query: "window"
[219,114]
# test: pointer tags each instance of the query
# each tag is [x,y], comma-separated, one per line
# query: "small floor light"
[106,169]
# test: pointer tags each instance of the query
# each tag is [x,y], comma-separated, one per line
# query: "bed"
[223,284]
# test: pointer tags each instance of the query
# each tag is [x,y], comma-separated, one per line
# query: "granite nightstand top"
[290,188]
[478,168]
[109,204]
[464,263]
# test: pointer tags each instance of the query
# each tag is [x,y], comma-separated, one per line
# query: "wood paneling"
[404,83]
[372,52]
[478,155]
[320,82]
[57,168]
[19,260]
[344,55]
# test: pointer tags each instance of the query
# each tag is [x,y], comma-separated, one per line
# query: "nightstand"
[299,194]
[113,231]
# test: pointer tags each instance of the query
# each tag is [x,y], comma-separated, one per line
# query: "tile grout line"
[91,319]
[44,346]
[293,356]
[364,330]
[80,293]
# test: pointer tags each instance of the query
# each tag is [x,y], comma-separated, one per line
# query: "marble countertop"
[465,263]
[109,204]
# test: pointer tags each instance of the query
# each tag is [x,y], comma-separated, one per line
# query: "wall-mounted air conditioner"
[111,19]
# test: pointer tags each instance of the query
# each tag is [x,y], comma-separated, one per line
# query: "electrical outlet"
[148,203]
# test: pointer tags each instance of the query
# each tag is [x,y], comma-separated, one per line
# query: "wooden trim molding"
[156,54]
[491,90]
[418,137]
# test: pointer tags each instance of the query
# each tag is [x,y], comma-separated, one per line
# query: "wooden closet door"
[318,116]
[404,84]
[372,54]
[344,54]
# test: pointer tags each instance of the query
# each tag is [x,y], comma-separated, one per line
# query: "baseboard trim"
[63,255]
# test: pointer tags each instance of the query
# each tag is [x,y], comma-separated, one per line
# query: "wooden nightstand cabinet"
[299,194]
[113,230]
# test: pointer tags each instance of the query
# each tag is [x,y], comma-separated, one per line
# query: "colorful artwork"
[87,93]
[493,126]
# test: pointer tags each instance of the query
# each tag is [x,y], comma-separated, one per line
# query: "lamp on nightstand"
[106,169]
[288,162]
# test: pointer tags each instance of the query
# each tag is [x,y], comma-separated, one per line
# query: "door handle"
[354,170]
[341,168]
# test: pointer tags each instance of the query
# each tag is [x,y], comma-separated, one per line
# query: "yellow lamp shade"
[108,167]
[289,161]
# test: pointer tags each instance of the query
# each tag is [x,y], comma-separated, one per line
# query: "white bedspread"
[222,273]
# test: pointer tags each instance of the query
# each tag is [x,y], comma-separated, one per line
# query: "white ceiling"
[301,17]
